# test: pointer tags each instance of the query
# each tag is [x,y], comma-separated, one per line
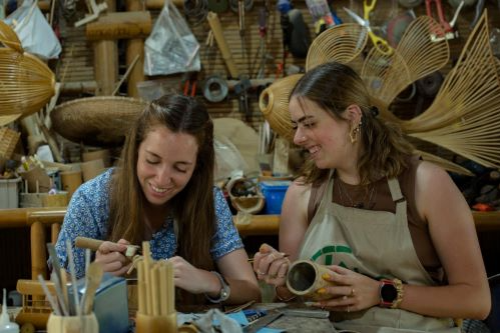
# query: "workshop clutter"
[36,183]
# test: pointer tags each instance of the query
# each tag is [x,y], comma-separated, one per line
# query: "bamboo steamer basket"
[97,121]
[27,83]
[273,103]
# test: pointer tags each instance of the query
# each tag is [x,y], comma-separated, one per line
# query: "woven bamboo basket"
[26,83]
[273,103]
[8,141]
[97,121]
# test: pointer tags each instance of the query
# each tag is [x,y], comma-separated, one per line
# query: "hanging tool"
[378,42]
[190,83]
[449,32]
[241,90]
[262,44]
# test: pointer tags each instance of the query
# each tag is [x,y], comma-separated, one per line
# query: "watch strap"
[225,290]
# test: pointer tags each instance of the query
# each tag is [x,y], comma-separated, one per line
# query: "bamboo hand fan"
[415,57]
[465,115]
[26,83]
[273,103]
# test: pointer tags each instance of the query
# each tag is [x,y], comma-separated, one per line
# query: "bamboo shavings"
[155,285]
[465,115]
[415,57]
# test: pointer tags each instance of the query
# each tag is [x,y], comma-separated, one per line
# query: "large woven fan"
[416,56]
[96,121]
[341,42]
[26,83]
[465,115]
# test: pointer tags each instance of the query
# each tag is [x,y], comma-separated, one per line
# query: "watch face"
[388,292]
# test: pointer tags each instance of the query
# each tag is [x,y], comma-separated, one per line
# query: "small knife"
[262,322]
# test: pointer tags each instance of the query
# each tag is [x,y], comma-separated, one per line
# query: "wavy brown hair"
[193,207]
[334,87]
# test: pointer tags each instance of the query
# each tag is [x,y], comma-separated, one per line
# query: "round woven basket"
[273,103]
[341,43]
[97,121]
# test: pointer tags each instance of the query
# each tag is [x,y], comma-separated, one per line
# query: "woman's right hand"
[112,257]
[271,265]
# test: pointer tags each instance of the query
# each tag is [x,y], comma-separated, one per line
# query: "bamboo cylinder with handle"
[214,22]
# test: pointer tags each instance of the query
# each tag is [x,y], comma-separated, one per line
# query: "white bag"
[34,32]
[171,47]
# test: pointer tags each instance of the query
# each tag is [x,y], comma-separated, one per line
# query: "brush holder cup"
[156,324]
[72,324]
[304,278]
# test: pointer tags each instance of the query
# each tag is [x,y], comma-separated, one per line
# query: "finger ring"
[348,309]
[353,291]
[260,273]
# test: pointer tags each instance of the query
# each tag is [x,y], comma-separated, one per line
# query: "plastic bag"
[227,159]
[171,47]
[34,32]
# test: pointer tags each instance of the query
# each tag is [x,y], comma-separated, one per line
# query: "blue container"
[274,192]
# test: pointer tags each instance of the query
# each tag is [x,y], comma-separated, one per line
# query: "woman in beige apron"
[337,125]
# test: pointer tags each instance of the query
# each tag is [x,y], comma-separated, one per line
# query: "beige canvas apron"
[377,244]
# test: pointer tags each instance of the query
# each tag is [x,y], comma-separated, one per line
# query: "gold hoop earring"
[354,134]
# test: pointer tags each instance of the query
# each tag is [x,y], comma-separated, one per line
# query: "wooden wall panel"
[79,61]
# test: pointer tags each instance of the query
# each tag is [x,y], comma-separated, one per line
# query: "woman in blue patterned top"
[162,191]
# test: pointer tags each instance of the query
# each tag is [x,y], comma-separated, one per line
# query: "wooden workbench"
[258,225]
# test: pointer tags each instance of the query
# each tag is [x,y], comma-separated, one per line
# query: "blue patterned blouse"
[88,214]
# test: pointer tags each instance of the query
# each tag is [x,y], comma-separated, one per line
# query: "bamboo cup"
[59,199]
[102,154]
[305,278]
[71,180]
[156,324]
[72,324]
[92,169]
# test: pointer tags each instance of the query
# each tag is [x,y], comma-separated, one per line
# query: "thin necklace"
[359,204]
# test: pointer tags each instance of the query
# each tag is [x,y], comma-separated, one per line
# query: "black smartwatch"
[391,293]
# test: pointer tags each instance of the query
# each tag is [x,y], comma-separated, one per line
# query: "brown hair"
[334,87]
[193,207]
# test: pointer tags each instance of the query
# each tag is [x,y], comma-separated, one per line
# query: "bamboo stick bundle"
[156,285]
[465,115]
[415,57]
[26,83]
[341,43]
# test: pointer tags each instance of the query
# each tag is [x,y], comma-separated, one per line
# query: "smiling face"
[325,137]
[165,164]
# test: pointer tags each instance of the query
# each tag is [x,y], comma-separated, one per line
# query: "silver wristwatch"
[225,290]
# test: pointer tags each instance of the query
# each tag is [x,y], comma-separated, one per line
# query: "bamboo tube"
[214,22]
[147,277]
[135,47]
[106,61]
[125,25]
[38,257]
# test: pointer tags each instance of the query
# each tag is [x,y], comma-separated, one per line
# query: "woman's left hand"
[188,277]
[350,291]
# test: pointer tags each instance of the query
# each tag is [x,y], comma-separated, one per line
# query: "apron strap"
[395,189]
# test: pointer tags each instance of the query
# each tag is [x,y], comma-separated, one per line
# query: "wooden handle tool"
[93,244]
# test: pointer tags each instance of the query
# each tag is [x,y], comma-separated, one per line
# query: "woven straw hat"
[96,121]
